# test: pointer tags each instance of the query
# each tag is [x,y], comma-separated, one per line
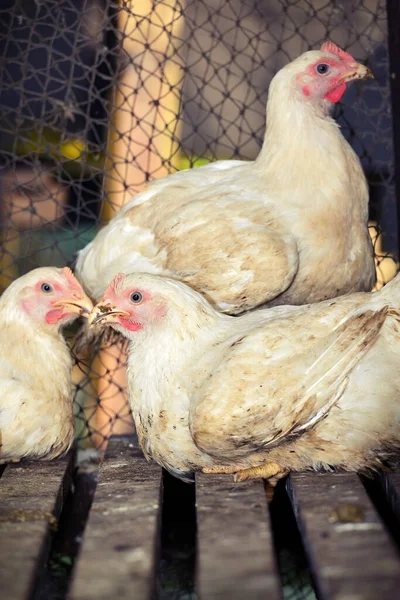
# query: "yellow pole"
[142,145]
[145,108]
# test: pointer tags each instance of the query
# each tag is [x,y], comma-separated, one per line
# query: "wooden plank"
[120,543]
[235,549]
[31,498]
[350,552]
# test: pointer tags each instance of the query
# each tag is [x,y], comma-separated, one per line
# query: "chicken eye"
[323,68]
[46,288]
[136,297]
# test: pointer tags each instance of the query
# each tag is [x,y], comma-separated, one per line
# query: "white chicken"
[36,416]
[287,388]
[288,228]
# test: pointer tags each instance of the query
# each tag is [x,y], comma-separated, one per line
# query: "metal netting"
[98,97]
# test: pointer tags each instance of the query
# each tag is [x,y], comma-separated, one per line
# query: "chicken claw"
[266,471]
[269,470]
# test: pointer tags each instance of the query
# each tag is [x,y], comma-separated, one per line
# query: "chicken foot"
[269,470]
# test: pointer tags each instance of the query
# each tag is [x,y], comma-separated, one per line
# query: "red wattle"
[336,94]
[129,324]
[54,315]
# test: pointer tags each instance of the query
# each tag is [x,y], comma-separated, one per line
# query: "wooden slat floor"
[351,554]
[121,534]
[31,499]
[140,539]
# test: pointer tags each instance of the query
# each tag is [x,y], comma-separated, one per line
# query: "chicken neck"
[303,146]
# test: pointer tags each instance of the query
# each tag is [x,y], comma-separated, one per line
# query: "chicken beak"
[102,315]
[81,306]
[359,72]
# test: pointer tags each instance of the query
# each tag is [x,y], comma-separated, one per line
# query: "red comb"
[70,277]
[333,49]
[112,288]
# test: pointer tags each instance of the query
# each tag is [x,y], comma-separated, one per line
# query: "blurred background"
[99,97]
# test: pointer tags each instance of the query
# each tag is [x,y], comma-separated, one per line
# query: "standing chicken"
[288,228]
[288,388]
[36,417]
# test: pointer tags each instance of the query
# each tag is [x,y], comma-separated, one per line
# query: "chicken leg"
[267,470]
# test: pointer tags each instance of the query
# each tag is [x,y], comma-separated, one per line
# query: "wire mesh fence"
[97,98]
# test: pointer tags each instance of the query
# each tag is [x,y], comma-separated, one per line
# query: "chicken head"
[128,308]
[325,73]
[50,297]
